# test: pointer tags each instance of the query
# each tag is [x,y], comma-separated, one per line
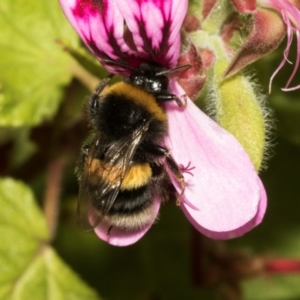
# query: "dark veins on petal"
[88,7]
[96,50]
[164,46]
[124,58]
[158,54]
[112,42]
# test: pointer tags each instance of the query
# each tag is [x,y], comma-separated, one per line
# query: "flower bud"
[266,34]
[237,107]
[244,6]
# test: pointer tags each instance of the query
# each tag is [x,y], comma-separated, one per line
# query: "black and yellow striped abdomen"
[135,197]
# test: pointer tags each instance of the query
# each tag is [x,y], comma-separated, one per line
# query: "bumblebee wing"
[118,158]
[87,216]
[101,180]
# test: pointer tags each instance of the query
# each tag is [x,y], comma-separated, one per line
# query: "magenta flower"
[224,197]
[291,17]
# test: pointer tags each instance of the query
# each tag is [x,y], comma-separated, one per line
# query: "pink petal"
[101,27]
[224,185]
[193,217]
[155,25]
[121,237]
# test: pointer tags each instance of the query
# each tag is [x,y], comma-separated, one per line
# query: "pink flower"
[291,17]
[224,197]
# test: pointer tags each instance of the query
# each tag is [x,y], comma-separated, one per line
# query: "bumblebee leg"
[172,97]
[178,175]
[175,169]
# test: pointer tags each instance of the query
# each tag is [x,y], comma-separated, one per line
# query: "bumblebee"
[122,165]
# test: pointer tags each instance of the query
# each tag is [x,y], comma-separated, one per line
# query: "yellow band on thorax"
[140,97]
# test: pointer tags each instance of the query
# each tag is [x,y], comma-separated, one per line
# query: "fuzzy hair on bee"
[123,163]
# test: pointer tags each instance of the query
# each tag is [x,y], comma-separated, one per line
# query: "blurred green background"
[42,129]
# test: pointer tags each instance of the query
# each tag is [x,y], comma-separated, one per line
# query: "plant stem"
[55,172]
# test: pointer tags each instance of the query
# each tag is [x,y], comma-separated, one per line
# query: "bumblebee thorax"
[124,108]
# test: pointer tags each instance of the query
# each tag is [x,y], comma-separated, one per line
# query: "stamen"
[187,202]
[297,61]
[286,51]
[187,169]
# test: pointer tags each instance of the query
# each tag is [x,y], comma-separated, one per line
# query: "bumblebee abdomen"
[133,208]
[137,176]
[130,202]
[135,193]
[133,205]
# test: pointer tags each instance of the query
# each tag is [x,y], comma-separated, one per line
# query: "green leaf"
[33,65]
[29,268]
[23,148]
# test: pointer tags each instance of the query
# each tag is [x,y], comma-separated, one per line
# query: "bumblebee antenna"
[118,63]
[164,72]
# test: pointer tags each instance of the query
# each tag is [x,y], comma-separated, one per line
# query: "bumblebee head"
[148,78]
